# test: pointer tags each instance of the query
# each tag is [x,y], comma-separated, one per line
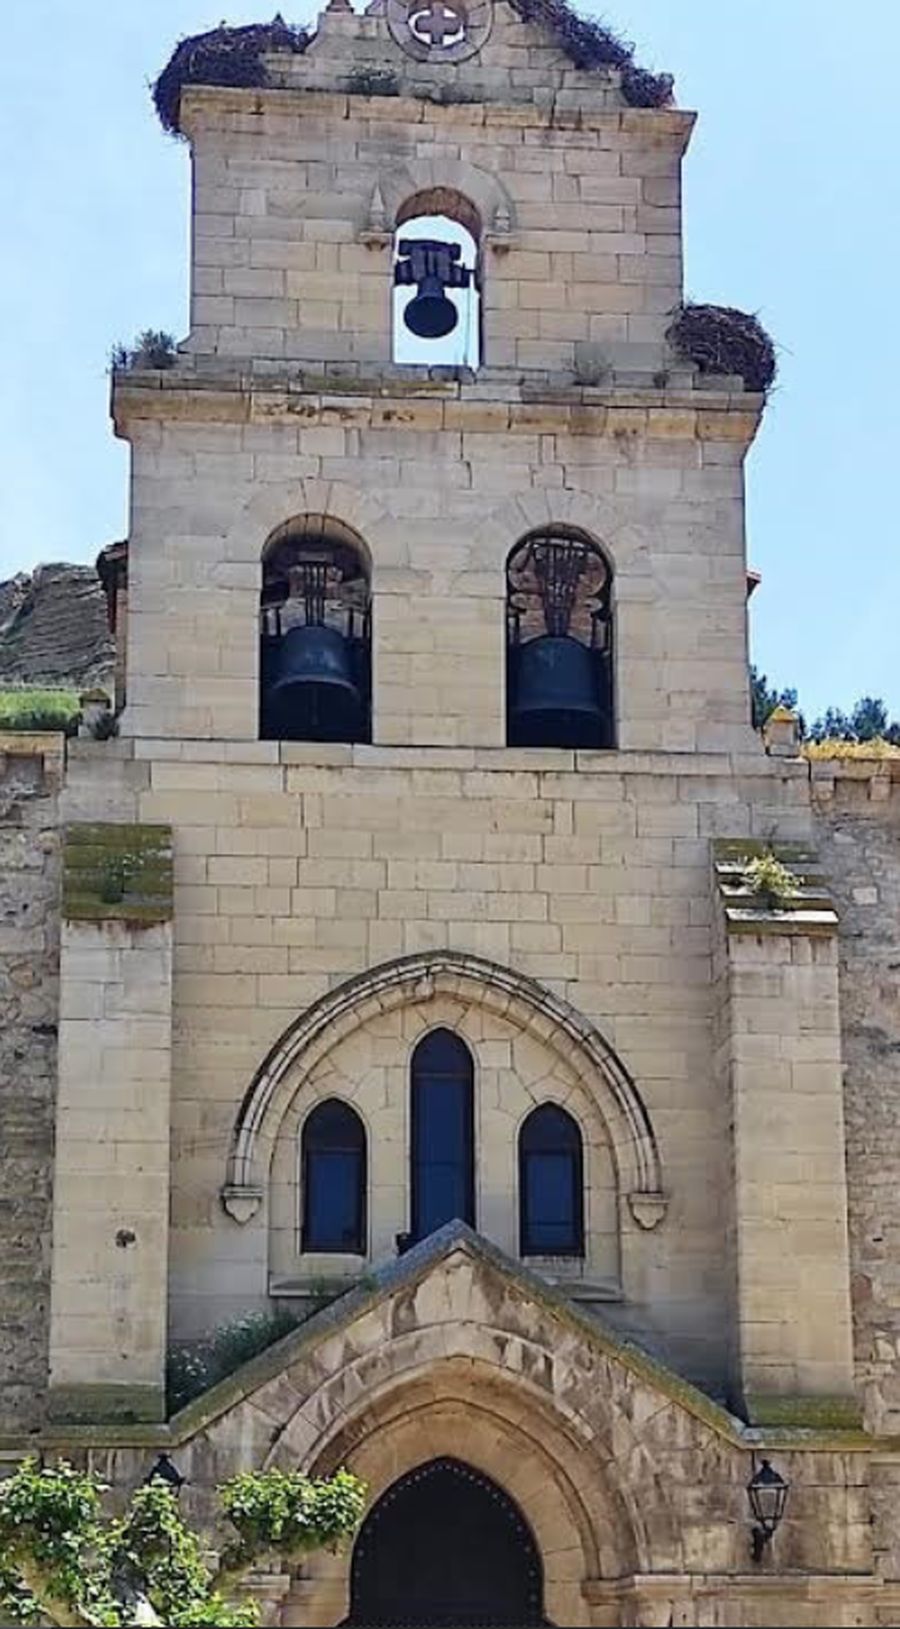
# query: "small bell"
[434,267]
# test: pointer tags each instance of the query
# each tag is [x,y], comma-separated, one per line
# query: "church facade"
[411,955]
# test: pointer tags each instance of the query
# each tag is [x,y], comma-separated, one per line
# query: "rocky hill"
[53,629]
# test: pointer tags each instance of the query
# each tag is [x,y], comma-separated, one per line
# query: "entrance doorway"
[446,1548]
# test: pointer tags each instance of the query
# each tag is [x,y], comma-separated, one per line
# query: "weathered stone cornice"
[414,403]
[299,98]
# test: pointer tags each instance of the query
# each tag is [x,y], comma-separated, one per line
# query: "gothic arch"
[534,1009]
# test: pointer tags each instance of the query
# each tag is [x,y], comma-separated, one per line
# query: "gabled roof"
[401,1275]
[235,56]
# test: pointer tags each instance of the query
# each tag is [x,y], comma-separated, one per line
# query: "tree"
[64,1562]
[868,721]
[765,698]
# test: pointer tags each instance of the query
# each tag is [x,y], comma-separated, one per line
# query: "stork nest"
[224,56]
[719,339]
[590,44]
[234,56]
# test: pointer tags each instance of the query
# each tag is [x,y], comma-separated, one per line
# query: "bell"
[314,695]
[430,315]
[556,695]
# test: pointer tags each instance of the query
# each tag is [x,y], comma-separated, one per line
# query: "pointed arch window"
[551,1184]
[333,1176]
[442,1133]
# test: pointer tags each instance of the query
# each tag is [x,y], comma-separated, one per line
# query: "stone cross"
[438,23]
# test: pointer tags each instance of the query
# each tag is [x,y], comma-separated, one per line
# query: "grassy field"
[32,709]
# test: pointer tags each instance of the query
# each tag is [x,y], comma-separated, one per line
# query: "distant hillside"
[53,629]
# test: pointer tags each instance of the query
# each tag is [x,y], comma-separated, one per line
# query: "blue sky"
[792,210]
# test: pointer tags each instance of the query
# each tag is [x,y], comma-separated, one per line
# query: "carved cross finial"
[438,23]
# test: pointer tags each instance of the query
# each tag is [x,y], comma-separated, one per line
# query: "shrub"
[63,1560]
[27,709]
[720,339]
[771,882]
[154,348]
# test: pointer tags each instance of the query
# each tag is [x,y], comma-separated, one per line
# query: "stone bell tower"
[411,894]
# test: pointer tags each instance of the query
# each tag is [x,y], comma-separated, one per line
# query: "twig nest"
[224,56]
[719,339]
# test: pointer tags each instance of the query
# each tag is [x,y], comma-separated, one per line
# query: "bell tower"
[436,706]
[436,257]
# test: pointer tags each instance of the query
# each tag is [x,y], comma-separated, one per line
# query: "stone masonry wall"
[30,768]
[298,867]
[857,807]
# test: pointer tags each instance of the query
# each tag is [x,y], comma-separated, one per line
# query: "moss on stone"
[117,873]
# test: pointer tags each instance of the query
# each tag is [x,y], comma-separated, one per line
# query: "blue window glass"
[443,1176]
[551,1184]
[334,1180]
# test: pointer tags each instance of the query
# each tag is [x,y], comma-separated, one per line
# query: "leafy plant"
[154,348]
[373,81]
[771,882]
[65,1562]
[27,710]
[721,339]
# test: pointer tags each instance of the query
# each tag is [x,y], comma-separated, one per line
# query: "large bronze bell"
[557,695]
[315,695]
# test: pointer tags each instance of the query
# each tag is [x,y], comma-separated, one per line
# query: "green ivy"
[65,1563]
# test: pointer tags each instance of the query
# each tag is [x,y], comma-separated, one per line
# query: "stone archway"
[535,1009]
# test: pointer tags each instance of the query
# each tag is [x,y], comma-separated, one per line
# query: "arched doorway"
[445,1546]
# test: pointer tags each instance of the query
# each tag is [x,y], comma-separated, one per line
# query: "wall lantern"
[167,1473]
[767,1492]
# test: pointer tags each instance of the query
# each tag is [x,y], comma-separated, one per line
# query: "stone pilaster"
[779,1056]
[111,1195]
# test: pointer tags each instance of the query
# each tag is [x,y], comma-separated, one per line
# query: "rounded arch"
[313,527]
[447,201]
[600,520]
[416,978]
[274,507]
[334,1179]
[483,191]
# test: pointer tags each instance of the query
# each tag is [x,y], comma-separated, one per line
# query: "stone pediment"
[453,1293]
[455,1349]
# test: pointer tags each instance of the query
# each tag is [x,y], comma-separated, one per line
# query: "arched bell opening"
[437,281]
[315,634]
[445,1545]
[559,642]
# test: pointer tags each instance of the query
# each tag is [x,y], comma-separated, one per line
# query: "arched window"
[315,634]
[559,642]
[437,281]
[333,1178]
[442,1125]
[551,1184]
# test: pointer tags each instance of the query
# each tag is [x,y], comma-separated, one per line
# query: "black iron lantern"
[167,1473]
[767,1492]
